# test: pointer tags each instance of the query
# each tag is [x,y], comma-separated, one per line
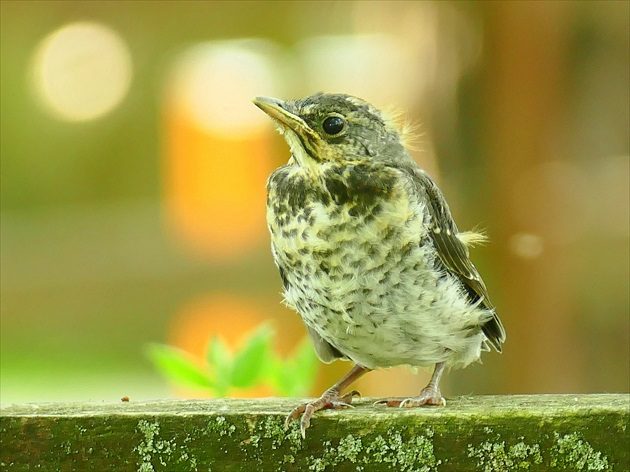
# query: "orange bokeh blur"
[214,186]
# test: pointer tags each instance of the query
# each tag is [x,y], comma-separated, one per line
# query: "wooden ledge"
[485,433]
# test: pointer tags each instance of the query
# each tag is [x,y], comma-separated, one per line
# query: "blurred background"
[134,167]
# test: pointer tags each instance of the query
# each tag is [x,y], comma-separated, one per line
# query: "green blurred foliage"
[225,373]
[89,276]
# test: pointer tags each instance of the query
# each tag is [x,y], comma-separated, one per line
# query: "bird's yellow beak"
[305,143]
[277,111]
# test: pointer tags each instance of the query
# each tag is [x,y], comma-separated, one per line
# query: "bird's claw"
[329,400]
[428,396]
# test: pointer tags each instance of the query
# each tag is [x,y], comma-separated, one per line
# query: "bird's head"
[335,128]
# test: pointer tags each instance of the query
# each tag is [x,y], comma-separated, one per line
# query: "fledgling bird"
[368,251]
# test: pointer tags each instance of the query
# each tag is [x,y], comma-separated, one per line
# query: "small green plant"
[253,365]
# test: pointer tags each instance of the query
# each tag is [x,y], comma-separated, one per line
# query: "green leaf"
[303,370]
[220,362]
[295,375]
[276,377]
[304,355]
[250,363]
[178,366]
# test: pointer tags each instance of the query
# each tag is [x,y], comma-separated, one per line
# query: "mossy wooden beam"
[485,433]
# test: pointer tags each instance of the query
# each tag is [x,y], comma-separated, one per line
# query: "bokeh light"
[134,168]
[374,66]
[214,84]
[526,245]
[82,71]
[217,155]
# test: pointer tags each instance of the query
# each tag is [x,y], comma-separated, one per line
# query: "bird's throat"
[300,151]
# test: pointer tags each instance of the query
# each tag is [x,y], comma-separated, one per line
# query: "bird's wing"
[325,351]
[454,254]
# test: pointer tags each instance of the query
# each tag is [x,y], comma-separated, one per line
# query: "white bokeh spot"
[82,71]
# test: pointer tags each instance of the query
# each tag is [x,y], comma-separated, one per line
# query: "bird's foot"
[329,400]
[429,396]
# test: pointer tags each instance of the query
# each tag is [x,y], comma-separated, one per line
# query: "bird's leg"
[430,395]
[331,398]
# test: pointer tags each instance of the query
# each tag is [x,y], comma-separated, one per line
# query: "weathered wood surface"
[485,433]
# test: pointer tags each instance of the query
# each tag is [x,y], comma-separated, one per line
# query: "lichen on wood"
[484,433]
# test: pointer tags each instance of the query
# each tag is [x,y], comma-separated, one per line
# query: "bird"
[368,252]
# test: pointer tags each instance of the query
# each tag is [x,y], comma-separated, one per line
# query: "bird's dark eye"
[333,125]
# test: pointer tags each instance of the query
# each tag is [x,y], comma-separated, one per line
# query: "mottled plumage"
[368,252]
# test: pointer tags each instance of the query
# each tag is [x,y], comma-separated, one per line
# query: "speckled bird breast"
[357,265]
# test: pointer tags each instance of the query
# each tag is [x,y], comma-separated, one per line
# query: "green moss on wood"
[514,433]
